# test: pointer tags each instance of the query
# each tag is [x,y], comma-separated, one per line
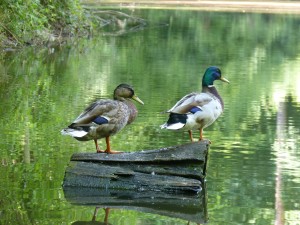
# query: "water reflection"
[187,207]
[285,155]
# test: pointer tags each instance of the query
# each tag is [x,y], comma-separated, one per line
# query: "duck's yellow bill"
[224,80]
[136,98]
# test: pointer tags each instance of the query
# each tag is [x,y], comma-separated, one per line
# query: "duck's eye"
[217,75]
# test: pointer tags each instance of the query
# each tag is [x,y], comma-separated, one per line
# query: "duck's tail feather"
[176,121]
[78,132]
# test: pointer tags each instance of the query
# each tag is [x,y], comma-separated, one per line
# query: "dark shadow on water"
[189,207]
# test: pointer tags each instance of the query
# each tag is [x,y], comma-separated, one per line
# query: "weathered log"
[188,206]
[173,169]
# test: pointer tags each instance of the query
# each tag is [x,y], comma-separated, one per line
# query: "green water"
[254,160]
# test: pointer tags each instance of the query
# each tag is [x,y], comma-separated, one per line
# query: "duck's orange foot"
[100,151]
[209,142]
[109,151]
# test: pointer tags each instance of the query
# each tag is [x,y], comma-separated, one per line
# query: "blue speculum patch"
[100,120]
[195,109]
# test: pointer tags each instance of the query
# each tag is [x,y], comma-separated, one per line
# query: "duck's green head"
[125,91]
[211,74]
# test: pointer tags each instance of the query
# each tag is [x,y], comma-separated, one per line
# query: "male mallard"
[198,110]
[104,118]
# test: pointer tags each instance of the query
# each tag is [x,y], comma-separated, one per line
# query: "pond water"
[254,161]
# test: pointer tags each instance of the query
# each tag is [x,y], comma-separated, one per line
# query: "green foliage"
[21,21]
[41,92]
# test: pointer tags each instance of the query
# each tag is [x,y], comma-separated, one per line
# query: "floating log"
[173,169]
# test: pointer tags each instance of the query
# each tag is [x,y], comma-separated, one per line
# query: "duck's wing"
[188,102]
[99,112]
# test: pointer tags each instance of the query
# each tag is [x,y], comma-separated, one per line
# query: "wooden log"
[173,169]
[195,151]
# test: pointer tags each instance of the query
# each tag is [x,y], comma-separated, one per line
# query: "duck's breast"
[131,111]
[212,111]
[204,117]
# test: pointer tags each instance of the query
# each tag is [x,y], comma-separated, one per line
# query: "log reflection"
[188,207]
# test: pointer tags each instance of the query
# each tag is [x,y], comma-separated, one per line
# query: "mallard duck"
[105,118]
[198,110]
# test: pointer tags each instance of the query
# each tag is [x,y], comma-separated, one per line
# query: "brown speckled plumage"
[105,118]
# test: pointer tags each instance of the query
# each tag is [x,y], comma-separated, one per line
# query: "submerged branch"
[118,23]
[10,33]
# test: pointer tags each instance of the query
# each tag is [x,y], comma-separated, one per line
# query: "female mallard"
[104,118]
[198,110]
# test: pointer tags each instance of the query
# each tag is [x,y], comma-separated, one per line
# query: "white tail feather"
[175,126]
[73,132]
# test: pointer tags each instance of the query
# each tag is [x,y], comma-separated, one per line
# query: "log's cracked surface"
[177,169]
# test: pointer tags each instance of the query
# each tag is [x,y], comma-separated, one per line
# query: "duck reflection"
[94,218]
[105,221]
[106,214]
[191,208]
